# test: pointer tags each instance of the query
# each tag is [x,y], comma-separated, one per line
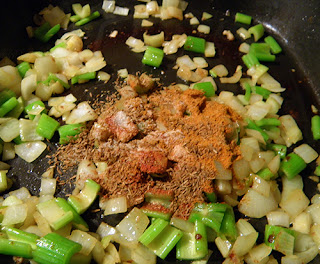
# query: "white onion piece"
[174,12]
[295,203]
[28,130]
[302,223]
[253,204]
[315,199]
[82,113]
[143,255]
[261,186]
[210,50]
[48,186]
[103,76]
[234,78]
[244,244]
[290,130]
[259,254]
[186,61]
[256,134]
[108,6]
[8,152]
[244,47]
[241,169]
[182,224]
[30,151]
[115,206]
[85,240]
[113,252]
[244,34]
[94,64]
[248,147]
[121,11]
[307,153]
[256,164]
[288,186]
[223,245]
[15,214]
[22,193]
[146,23]
[258,110]
[204,29]
[232,101]
[274,164]
[314,211]
[123,73]
[154,40]
[9,130]
[28,86]
[133,225]
[222,173]
[244,227]
[278,218]
[44,66]
[200,62]
[194,21]
[134,42]
[12,200]
[152,8]
[106,230]
[220,70]
[223,186]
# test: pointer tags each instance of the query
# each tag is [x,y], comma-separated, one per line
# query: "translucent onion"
[121,11]
[253,204]
[106,230]
[244,227]
[278,218]
[288,186]
[103,76]
[28,130]
[220,70]
[174,12]
[222,173]
[28,86]
[154,40]
[302,223]
[115,206]
[200,62]
[307,153]
[210,50]
[152,8]
[274,164]
[48,186]
[244,244]
[85,240]
[314,211]
[194,21]
[269,83]
[256,164]
[143,255]
[204,29]
[261,186]
[30,151]
[146,23]
[259,253]
[15,214]
[135,43]
[244,34]
[233,79]
[291,259]
[249,146]
[21,193]
[223,186]
[9,130]
[108,6]
[186,61]
[308,250]
[258,110]
[82,113]
[8,152]
[133,225]
[182,224]
[290,130]
[295,203]
[44,66]
[223,245]
[241,169]
[255,134]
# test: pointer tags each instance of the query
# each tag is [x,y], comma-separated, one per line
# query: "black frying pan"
[293,23]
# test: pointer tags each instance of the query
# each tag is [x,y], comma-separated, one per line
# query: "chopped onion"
[244,34]
[28,86]
[302,223]
[204,29]
[30,151]
[220,70]
[10,78]
[8,152]
[241,169]
[103,76]
[108,6]
[143,255]
[278,218]
[152,8]
[228,34]
[48,186]
[244,227]
[133,225]
[244,47]
[135,43]
[22,193]
[258,110]
[146,23]
[290,130]
[175,12]
[85,240]
[259,253]
[106,230]
[223,186]
[115,206]
[210,50]
[123,73]
[82,113]
[186,61]
[233,79]
[194,21]
[121,11]
[274,164]
[253,204]
[182,224]
[261,186]
[200,62]
[307,153]
[256,164]
[224,246]
[222,173]
[295,203]
[28,130]
[244,244]
[154,40]
[9,130]
[15,214]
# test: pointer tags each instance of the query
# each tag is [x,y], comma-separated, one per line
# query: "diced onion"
[85,240]
[82,113]
[146,23]
[154,40]
[243,33]
[278,218]
[295,203]
[9,130]
[48,186]
[302,223]
[115,206]
[22,193]
[15,214]
[204,29]
[307,153]
[244,47]
[290,130]
[244,244]
[121,11]
[108,6]
[220,70]
[261,186]
[194,21]
[200,62]
[210,50]
[8,152]
[30,151]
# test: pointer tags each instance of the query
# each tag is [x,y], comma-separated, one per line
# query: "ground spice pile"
[167,140]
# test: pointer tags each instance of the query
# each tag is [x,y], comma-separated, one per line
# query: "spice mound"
[166,141]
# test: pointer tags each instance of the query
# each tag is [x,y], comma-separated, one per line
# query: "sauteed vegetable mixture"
[188,165]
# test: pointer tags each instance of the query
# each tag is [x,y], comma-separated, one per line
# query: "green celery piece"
[47,126]
[268,122]
[7,106]
[85,198]
[279,238]
[247,88]
[315,127]
[88,19]
[165,241]
[212,197]
[15,248]
[280,150]
[252,125]
[16,234]
[206,87]
[77,221]
[53,77]
[228,226]
[262,91]
[153,57]
[69,132]
[3,181]
[257,31]
[201,241]
[156,214]
[243,18]
[75,18]
[195,44]
[23,67]
[60,45]
[186,250]
[292,165]
[5,95]
[18,109]
[250,60]
[55,249]
[40,32]
[85,76]
[317,170]
[153,231]
[34,106]
[50,33]
[274,46]
[265,174]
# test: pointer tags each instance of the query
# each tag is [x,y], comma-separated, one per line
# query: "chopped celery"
[292,165]
[69,132]
[85,198]
[243,18]
[158,211]
[228,226]
[195,44]
[265,174]
[33,107]
[274,46]
[153,231]
[206,87]
[153,57]
[16,234]
[280,150]
[7,106]
[15,248]
[23,67]
[17,110]
[47,126]
[257,31]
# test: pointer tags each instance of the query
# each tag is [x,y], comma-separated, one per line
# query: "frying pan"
[293,23]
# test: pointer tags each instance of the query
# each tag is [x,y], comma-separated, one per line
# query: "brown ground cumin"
[166,140]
